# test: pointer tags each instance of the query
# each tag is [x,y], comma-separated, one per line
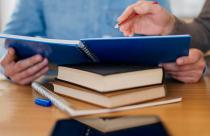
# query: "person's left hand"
[187,69]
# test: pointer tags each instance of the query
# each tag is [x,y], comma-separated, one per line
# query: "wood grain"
[19,115]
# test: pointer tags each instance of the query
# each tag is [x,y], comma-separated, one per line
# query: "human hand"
[187,69]
[24,71]
[146,17]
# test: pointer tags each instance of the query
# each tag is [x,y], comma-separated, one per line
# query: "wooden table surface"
[19,116]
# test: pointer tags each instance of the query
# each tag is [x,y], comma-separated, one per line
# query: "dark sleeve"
[27,19]
[199,29]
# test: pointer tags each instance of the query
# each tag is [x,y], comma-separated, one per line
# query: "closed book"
[116,123]
[111,99]
[110,77]
[76,108]
[143,50]
[122,126]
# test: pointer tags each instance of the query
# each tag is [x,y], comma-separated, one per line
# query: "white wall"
[6,7]
[186,8]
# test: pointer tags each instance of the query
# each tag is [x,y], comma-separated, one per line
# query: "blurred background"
[182,8]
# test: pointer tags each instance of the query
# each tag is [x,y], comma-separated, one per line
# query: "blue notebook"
[144,50]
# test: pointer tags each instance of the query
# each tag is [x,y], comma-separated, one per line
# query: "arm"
[27,20]
[199,29]
[152,19]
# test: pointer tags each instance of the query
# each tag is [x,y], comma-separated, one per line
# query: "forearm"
[199,29]
[200,34]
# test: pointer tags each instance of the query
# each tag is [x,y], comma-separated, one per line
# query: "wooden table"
[20,116]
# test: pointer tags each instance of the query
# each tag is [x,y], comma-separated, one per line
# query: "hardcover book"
[76,108]
[118,126]
[110,77]
[112,99]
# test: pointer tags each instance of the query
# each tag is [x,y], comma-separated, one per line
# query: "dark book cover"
[109,68]
[75,128]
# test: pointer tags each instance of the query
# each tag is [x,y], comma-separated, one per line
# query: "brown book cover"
[77,108]
[111,99]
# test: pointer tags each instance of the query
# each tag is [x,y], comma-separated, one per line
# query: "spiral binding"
[88,53]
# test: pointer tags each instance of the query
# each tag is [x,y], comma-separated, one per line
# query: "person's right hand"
[25,71]
[146,17]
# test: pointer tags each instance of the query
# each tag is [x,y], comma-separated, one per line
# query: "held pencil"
[129,18]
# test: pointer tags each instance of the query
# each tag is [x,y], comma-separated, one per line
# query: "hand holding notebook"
[150,51]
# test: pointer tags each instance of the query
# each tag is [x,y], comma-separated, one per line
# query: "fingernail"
[45,61]
[180,61]
[38,57]
[155,2]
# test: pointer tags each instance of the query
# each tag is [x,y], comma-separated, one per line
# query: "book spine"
[88,52]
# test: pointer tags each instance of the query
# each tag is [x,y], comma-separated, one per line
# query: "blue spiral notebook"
[144,50]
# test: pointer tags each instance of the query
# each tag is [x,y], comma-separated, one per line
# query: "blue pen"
[43,102]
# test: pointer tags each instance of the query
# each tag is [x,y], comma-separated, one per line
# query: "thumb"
[9,57]
[194,56]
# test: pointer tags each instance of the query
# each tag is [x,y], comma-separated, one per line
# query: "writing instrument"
[55,99]
[129,18]
[43,102]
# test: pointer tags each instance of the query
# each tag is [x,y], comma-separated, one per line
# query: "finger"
[26,63]
[127,28]
[173,67]
[146,7]
[127,13]
[32,78]
[186,79]
[170,67]
[194,56]
[184,68]
[140,8]
[30,71]
[10,57]
[9,68]
[192,73]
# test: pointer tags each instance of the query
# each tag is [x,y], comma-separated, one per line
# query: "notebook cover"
[58,53]
[145,50]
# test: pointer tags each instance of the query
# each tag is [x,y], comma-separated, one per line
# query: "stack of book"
[90,78]
[110,85]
